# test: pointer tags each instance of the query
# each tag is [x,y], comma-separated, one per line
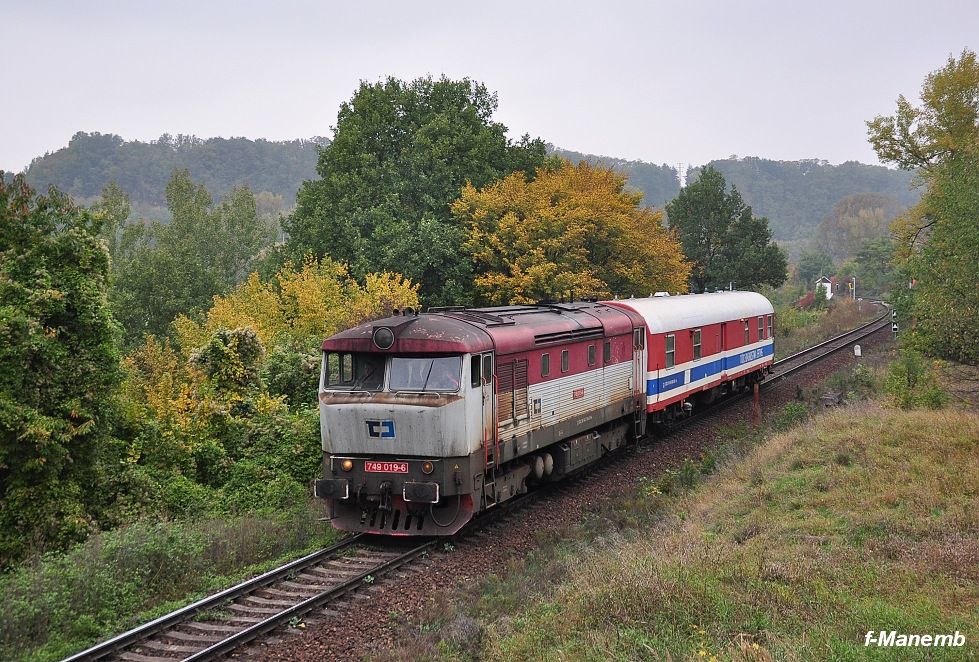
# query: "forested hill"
[797,195]
[142,169]
[658,183]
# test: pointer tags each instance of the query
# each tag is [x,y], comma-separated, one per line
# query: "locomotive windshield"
[355,371]
[426,374]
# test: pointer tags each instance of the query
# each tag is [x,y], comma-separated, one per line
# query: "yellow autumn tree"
[300,305]
[575,230]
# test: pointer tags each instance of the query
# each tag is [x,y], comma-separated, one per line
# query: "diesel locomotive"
[429,418]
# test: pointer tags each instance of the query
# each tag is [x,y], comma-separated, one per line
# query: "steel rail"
[167,621]
[285,616]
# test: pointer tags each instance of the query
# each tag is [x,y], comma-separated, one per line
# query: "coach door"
[639,379]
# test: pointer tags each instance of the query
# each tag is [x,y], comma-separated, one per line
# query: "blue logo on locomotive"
[380,429]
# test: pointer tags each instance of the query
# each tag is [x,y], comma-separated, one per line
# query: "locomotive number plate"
[386,467]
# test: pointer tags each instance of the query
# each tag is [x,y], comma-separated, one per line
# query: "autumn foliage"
[573,230]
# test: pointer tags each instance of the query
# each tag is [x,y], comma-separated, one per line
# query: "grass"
[58,604]
[863,519]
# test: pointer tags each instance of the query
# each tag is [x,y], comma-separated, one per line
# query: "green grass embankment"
[864,519]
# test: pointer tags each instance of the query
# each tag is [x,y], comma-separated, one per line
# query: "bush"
[911,383]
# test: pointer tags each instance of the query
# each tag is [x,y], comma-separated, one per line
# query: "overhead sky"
[669,82]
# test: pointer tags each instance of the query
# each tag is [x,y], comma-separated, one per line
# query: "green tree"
[938,243]
[58,367]
[178,267]
[401,154]
[812,264]
[722,238]
[113,208]
[874,267]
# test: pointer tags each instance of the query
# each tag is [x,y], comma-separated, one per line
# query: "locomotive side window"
[607,351]
[761,328]
[770,334]
[354,371]
[487,367]
[638,338]
[747,333]
[564,361]
[591,355]
[545,364]
[696,345]
[670,351]
[475,379]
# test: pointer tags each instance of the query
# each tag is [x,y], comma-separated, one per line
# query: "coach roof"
[689,311]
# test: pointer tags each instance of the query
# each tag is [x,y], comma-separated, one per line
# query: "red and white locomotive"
[429,418]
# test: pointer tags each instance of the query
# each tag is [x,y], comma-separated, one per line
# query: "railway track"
[218,624]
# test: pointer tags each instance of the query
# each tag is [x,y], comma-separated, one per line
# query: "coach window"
[564,360]
[545,365]
[591,355]
[474,377]
[696,344]
[607,351]
[770,334]
[747,333]
[670,351]
[761,328]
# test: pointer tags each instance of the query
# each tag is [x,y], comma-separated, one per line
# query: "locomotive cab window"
[354,371]
[426,373]
[475,379]
[638,339]
[670,351]
[564,360]
[607,351]
[545,364]
[591,355]
[487,367]
[696,344]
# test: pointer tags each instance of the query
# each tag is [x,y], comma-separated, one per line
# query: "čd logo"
[380,429]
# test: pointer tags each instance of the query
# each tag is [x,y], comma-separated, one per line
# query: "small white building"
[828,284]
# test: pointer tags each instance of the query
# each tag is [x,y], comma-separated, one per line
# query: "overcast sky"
[678,82]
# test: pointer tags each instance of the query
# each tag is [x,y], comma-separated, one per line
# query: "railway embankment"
[837,522]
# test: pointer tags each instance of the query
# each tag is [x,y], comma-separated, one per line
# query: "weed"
[688,474]
[369,579]
[448,547]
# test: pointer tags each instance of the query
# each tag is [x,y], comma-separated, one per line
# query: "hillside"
[796,195]
[142,169]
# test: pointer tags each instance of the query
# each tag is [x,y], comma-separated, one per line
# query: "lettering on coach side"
[380,429]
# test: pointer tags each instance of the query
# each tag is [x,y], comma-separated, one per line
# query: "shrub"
[911,383]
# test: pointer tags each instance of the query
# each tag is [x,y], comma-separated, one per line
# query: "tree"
[571,230]
[58,367]
[855,219]
[722,238]
[113,208]
[875,270]
[938,242]
[945,125]
[812,264]
[178,267]
[400,155]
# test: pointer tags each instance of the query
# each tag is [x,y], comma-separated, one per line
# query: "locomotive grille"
[520,408]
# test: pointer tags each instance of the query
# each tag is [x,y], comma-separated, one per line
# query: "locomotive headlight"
[383,337]
[427,467]
[347,465]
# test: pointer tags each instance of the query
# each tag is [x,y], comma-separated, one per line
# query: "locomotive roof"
[505,329]
[694,310]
